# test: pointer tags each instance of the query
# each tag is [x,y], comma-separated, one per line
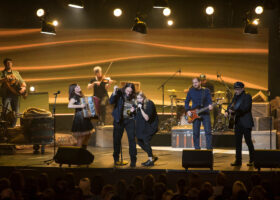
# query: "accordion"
[91,110]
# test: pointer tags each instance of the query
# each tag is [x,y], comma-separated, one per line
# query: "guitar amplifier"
[182,137]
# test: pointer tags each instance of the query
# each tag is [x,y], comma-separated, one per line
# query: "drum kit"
[177,111]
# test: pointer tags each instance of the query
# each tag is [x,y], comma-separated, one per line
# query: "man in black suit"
[241,107]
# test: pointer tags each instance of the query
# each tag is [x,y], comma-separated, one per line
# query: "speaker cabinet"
[73,156]
[267,159]
[197,159]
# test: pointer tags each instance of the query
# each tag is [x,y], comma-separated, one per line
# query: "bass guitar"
[196,112]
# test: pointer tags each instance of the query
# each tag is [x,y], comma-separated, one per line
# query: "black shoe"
[155,158]
[250,163]
[236,163]
[133,164]
[144,163]
[149,163]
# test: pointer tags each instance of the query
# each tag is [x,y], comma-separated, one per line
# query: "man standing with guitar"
[12,87]
[201,99]
[240,107]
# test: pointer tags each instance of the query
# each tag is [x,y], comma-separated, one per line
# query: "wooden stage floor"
[169,159]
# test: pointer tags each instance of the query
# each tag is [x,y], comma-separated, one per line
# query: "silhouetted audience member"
[149,182]
[159,189]
[138,183]
[97,184]
[43,182]
[85,186]
[194,181]
[162,179]
[107,191]
[258,193]
[236,188]
[120,189]
[167,195]
[180,187]
[193,194]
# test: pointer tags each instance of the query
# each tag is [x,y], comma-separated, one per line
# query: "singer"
[81,127]
[146,119]
[124,100]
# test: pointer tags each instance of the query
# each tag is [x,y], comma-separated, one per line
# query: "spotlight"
[139,26]
[32,89]
[259,10]
[55,23]
[166,11]
[76,4]
[209,10]
[40,12]
[117,12]
[170,22]
[160,4]
[48,28]
[256,22]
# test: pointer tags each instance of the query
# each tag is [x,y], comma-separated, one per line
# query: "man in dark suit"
[241,107]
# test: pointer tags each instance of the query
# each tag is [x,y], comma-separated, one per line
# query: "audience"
[20,186]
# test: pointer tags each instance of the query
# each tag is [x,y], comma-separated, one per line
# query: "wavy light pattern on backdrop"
[53,62]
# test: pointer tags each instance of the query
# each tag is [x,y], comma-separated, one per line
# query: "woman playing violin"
[100,84]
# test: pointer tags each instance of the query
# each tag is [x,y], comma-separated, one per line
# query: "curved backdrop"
[51,63]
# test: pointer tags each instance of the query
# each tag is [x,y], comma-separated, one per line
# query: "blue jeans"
[14,102]
[205,119]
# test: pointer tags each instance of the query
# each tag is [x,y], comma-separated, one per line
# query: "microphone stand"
[54,144]
[270,121]
[228,94]
[162,87]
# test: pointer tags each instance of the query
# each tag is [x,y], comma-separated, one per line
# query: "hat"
[238,85]
[202,76]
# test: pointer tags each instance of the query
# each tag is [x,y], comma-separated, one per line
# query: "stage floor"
[169,159]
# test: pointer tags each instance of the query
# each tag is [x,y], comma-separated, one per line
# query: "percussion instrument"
[91,110]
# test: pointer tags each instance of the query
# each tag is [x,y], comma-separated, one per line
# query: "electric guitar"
[196,112]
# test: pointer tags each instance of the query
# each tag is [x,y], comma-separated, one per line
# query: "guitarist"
[241,106]
[200,98]
[9,96]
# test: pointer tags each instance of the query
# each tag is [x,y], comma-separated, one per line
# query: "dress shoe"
[236,163]
[144,163]
[155,158]
[149,163]
[250,163]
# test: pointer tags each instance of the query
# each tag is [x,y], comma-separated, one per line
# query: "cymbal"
[219,92]
[173,90]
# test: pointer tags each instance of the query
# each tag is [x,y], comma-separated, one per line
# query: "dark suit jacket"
[242,107]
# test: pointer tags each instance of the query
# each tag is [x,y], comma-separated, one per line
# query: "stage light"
[139,26]
[209,10]
[170,22]
[256,22]
[259,10]
[117,12]
[160,4]
[32,89]
[55,22]
[76,4]
[166,11]
[48,28]
[40,12]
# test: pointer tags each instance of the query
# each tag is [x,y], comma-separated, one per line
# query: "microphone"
[58,92]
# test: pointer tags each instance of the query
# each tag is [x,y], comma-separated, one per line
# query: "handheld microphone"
[58,92]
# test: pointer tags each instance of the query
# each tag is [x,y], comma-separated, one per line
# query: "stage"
[169,159]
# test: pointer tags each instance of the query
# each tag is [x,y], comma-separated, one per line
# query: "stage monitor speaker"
[73,156]
[197,159]
[267,159]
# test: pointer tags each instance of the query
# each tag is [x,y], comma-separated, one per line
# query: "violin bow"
[108,69]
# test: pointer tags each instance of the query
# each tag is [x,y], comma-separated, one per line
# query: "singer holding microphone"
[81,127]
[146,124]
[124,101]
